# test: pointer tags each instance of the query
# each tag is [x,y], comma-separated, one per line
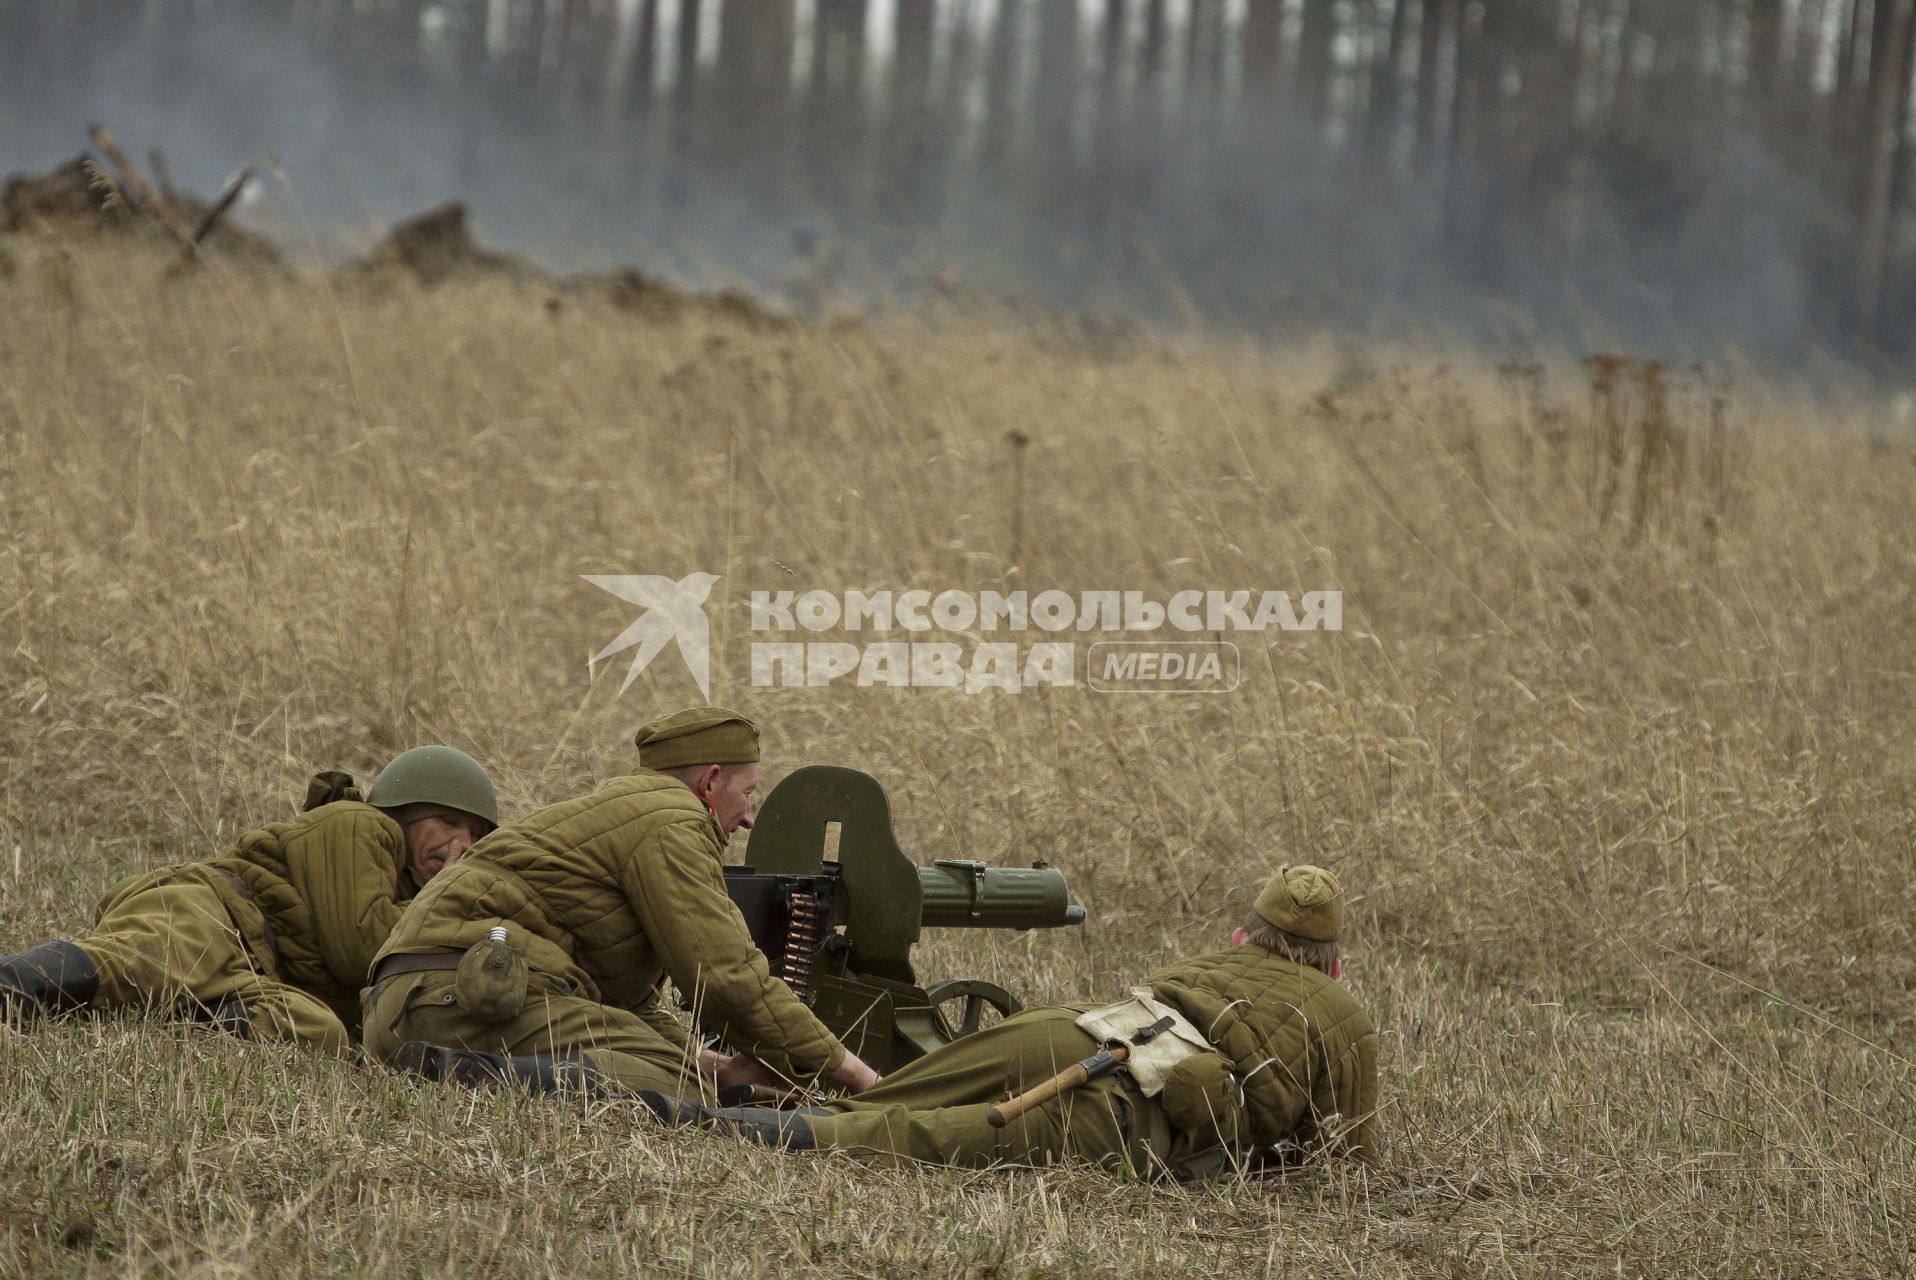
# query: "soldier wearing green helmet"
[272,939]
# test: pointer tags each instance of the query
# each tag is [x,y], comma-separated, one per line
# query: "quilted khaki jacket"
[329,885]
[613,892]
[1299,1045]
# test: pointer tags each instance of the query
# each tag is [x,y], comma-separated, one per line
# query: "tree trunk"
[1466,132]
[1111,42]
[1263,47]
[838,48]
[1058,65]
[1847,45]
[1154,41]
[1314,57]
[1204,48]
[685,86]
[1386,82]
[1575,69]
[911,55]
[1001,81]
[646,50]
[754,53]
[1872,108]
[1884,123]
[1766,61]
[1433,20]
[1845,109]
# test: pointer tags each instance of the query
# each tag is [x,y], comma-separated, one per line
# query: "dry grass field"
[1616,749]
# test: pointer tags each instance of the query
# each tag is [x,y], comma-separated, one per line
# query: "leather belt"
[431,961]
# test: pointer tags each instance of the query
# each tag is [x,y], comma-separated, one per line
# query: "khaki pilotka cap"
[697,735]
[1303,900]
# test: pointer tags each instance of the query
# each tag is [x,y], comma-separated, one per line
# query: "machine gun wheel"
[970,999]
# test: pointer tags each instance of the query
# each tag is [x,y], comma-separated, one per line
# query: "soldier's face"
[734,797]
[433,844]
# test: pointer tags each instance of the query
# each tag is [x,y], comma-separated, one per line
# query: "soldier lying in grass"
[596,901]
[273,938]
[1254,1046]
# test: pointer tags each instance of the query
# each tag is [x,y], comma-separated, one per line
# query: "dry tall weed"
[1615,749]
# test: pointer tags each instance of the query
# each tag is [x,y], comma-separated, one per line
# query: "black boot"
[230,1016]
[670,1108]
[769,1125]
[54,976]
[537,1072]
[791,1130]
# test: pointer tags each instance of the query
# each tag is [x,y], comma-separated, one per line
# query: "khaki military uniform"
[605,896]
[1297,1047]
[934,1108]
[285,925]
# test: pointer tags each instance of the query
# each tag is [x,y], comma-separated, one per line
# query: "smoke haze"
[1121,159]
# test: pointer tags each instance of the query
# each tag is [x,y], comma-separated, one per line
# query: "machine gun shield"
[839,932]
[879,905]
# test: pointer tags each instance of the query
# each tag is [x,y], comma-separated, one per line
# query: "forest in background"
[1670,178]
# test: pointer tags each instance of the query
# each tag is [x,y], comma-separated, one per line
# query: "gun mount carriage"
[839,931]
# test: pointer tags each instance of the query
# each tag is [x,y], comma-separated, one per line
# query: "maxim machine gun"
[840,932]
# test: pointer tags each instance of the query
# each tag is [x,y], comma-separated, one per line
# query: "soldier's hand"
[743,1068]
[852,1075]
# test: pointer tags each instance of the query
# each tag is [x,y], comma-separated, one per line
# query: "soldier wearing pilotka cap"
[543,960]
[1248,1048]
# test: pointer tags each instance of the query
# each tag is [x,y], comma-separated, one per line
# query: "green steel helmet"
[435,777]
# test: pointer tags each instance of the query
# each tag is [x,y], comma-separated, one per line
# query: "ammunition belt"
[801,942]
[431,961]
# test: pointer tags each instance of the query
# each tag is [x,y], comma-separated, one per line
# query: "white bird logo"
[674,611]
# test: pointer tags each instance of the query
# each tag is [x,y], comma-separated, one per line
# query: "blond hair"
[1305,951]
